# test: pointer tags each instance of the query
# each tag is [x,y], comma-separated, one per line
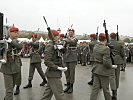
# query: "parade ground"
[81,91]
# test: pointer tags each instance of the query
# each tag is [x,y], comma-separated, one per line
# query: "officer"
[93,38]
[12,68]
[101,69]
[35,62]
[70,59]
[119,59]
[54,70]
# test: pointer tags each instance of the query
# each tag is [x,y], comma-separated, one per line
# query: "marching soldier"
[54,70]
[101,68]
[119,59]
[35,62]
[12,68]
[70,59]
[93,42]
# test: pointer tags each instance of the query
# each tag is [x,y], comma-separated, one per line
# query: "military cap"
[102,35]
[55,33]
[61,35]
[34,35]
[93,35]
[12,29]
[112,34]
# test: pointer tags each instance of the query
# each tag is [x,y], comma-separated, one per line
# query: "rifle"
[117,34]
[106,31]
[51,37]
[3,42]
[97,32]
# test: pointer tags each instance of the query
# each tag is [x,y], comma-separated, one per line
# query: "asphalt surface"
[82,90]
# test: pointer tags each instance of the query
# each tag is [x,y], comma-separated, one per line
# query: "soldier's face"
[34,39]
[56,38]
[61,38]
[14,35]
[71,33]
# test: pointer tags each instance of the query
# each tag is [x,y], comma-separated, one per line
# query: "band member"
[93,38]
[70,59]
[12,68]
[35,62]
[119,59]
[101,68]
[54,70]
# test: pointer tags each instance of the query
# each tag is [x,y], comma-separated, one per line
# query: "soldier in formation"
[101,69]
[12,68]
[70,59]
[35,62]
[54,70]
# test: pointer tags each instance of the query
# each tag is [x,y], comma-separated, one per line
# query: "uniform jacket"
[52,61]
[118,51]
[13,65]
[70,55]
[91,46]
[103,64]
[34,53]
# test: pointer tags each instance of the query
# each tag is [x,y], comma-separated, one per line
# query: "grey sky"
[85,15]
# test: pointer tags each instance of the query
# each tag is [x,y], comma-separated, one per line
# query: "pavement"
[82,90]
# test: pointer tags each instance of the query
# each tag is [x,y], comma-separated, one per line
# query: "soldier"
[119,58]
[12,68]
[101,69]
[84,53]
[54,71]
[35,62]
[70,59]
[93,42]
[79,47]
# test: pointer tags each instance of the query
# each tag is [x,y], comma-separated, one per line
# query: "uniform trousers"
[10,80]
[54,86]
[100,82]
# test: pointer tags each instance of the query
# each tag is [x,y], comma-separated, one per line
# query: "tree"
[127,40]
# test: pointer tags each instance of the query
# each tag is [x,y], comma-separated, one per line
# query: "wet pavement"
[82,90]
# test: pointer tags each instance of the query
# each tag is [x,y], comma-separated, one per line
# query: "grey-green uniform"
[54,85]
[12,68]
[119,59]
[35,63]
[101,71]
[79,47]
[70,59]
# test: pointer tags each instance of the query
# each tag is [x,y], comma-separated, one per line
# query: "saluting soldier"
[12,68]
[35,62]
[54,70]
[70,59]
[101,68]
[119,59]
[93,38]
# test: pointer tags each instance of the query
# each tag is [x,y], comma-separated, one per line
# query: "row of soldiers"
[63,58]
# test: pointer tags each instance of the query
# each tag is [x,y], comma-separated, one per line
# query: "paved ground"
[82,90]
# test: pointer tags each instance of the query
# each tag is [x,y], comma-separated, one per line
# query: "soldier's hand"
[114,66]
[62,68]
[9,40]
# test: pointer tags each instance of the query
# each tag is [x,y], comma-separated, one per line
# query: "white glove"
[9,40]
[114,66]
[60,47]
[62,69]
[3,61]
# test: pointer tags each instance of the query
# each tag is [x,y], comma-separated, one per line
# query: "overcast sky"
[85,15]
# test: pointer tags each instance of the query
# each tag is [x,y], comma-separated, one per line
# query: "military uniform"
[35,62]
[119,58]
[52,60]
[11,69]
[79,47]
[70,59]
[101,71]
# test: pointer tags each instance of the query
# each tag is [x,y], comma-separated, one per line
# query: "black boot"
[29,85]
[114,94]
[67,88]
[70,89]
[91,82]
[17,90]
[44,82]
